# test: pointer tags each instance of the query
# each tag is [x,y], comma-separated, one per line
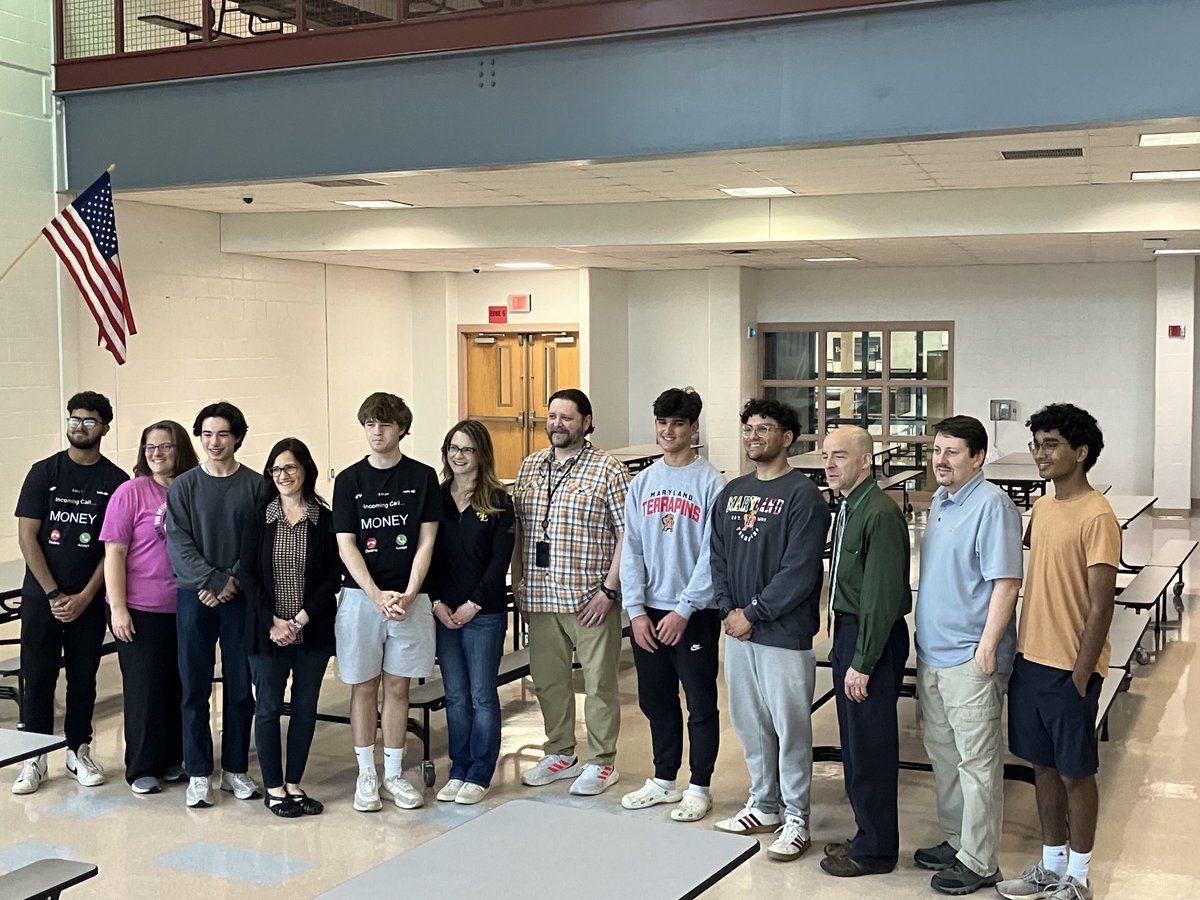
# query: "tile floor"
[155,847]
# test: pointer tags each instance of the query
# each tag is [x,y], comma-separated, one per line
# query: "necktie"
[838,528]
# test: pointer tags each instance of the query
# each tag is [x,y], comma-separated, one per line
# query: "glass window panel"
[790,356]
[862,406]
[914,409]
[803,400]
[854,354]
[920,354]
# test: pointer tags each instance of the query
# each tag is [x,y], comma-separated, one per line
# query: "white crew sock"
[393,759]
[1055,858]
[697,789]
[1077,866]
[366,757]
[664,784]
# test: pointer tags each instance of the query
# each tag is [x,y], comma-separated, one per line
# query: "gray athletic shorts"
[368,644]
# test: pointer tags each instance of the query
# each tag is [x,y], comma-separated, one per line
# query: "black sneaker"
[958,879]
[943,856]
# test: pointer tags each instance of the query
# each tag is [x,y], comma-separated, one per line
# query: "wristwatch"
[297,624]
[610,593]
[54,594]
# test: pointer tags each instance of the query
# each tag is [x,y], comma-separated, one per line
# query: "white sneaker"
[595,779]
[749,820]
[552,767]
[33,773]
[86,770]
[404,794]
[199,792]
[366,791]
[692,808]
[470,794]
[650,794]
[241,785]
[792,841]
[449,793]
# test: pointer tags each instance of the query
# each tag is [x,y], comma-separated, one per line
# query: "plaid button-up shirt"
[581,523]
[288,558]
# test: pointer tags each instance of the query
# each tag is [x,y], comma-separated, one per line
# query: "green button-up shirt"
[870,578]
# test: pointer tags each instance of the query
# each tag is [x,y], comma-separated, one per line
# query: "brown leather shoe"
[848,867]
[838,849]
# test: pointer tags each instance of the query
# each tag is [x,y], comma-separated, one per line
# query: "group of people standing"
[194,554]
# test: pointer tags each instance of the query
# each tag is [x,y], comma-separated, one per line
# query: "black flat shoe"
[284,807]
[849,867]
[306,804]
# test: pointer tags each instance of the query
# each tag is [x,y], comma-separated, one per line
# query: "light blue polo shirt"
[971,539]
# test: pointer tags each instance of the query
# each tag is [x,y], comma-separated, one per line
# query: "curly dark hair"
[92,402]
[682,403]
[1077,426]
[786,416]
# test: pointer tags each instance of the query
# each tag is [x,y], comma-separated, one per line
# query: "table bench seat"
[45,878]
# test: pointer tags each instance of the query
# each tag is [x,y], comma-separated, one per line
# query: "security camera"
[477,269]
[247,200]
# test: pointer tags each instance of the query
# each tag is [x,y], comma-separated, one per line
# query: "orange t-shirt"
[1065,538]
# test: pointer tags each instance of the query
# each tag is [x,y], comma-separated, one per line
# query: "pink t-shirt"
[136,517]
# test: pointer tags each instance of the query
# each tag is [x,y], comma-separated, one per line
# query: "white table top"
[16,746]
[1124,506]
[813,459]
[641,451]
[597,856]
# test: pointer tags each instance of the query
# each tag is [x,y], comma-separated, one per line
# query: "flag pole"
[111,168]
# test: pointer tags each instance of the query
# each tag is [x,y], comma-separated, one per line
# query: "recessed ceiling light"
[524,265]
[374,204]
[1177,252]
[773,190]
[819,259]
[1169,139]
[1169,175]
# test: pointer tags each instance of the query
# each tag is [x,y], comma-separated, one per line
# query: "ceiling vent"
[347,182]
[1048,153]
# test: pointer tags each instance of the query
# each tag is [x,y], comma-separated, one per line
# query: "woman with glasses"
[141,600]
[291,574]
[467,588]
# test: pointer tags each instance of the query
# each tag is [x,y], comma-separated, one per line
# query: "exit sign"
[497,315]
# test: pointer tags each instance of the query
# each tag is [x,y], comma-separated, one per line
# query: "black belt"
[848,618]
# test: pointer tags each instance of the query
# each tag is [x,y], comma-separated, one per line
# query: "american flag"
[84,235]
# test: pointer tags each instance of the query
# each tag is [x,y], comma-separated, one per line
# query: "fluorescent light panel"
[524,265]
[774,190]
[821,259]
[1168,175]
[1177,252]
[375,204]
[1170,139]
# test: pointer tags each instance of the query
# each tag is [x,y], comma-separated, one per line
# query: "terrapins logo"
[749,529]
[401,541]
[668,522]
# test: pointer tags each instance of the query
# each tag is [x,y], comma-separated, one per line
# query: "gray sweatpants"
[770,703]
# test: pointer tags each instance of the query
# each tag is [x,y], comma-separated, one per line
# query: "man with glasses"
[59,514]
[1074,543]
[570,506]
[207,508]
[768,538]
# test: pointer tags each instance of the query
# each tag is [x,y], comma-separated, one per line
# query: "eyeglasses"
[1049,446]
[454,450]
[288,469]
[76,422]
[758,430]
[151,449]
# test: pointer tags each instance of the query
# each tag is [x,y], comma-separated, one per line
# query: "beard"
[84,441]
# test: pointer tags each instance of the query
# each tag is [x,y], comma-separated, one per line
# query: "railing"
[113,42]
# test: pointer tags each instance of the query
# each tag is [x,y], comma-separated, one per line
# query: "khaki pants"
[961,709]
[554,638]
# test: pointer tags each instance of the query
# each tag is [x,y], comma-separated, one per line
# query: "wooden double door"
[509,379]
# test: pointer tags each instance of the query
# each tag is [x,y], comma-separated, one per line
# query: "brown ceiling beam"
[464,31]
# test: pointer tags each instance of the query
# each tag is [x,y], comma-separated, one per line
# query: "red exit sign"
[497,315]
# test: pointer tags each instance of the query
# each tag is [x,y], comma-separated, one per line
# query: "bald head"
[847,451]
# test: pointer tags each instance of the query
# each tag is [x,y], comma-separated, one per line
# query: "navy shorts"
[1049,724]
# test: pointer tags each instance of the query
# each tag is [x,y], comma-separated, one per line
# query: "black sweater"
[472,555]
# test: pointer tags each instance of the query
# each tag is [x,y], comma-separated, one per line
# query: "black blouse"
[472,555]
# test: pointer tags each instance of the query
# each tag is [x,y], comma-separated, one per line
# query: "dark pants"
[153,693]
[871,743]
[693,663]
[47,642]
[199,628]
[469,658]
[271,671]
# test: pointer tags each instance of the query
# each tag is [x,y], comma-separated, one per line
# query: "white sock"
[366,757]
[697,789]
[1077,866]
[664,784]
[393,759]
[1055,858]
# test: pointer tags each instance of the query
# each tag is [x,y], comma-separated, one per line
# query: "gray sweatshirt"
[767,546]
[668,526]
[205,518]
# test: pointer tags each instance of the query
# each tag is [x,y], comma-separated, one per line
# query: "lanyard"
[552,485]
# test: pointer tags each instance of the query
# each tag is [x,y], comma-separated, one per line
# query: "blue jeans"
[470,660]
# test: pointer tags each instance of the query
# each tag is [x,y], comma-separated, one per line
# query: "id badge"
[541,554]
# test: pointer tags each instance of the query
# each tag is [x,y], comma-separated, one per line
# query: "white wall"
[30,395]
[605,353]
[1038,334]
